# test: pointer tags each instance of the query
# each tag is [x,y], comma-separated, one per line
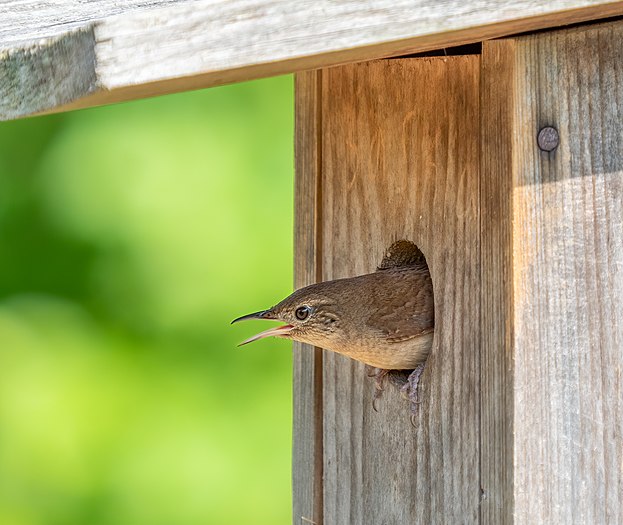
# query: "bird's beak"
[278,331]
[263,314]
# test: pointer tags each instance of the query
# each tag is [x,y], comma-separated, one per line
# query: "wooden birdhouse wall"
[522,399]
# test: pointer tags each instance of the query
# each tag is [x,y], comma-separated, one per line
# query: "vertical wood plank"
[307,461]
[496,394]
[400,160]
[562,231]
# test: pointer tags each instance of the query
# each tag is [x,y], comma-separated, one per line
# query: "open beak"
[278,331]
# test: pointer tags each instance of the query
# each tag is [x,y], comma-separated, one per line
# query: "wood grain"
[497,360]
[307,463]
[400,161]
[62,55]
[559,273]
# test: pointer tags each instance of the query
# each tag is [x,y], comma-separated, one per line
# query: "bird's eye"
[302,312]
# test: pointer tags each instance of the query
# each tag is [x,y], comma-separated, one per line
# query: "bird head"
[309,317]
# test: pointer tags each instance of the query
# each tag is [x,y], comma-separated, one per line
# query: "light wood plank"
[62,55]
[561,249]
[307,461]
[400,161]
[496,394]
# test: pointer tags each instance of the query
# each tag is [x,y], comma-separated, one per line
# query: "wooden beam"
[552,397]
[62,55]
[496,394]
[400,161]
[307,461]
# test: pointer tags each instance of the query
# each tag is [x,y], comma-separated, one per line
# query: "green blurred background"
[130,236]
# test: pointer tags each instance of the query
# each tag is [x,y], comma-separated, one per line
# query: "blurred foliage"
[130,236]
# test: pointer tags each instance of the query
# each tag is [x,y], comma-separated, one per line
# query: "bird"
[384,319]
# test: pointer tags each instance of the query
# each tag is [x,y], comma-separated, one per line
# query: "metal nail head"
[548,139]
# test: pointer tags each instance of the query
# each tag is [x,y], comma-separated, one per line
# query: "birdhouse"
[490,135]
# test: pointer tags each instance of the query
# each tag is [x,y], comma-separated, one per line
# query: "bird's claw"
[410,389]
[379,375]
[377,394]
[408,386]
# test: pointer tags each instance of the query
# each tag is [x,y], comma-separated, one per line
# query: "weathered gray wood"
[61,55]
[307,432]
[400,161]
[23,22]
[555,276]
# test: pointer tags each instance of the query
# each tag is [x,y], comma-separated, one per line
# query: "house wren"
[384,319]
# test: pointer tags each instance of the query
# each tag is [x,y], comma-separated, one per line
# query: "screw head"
[548,139]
